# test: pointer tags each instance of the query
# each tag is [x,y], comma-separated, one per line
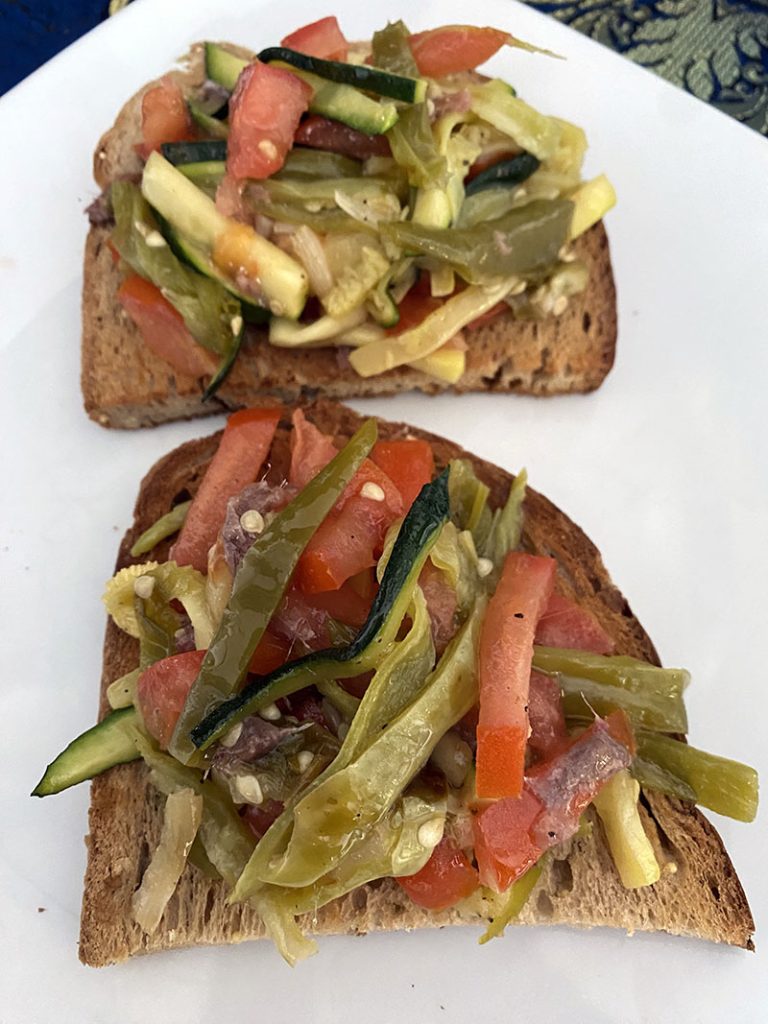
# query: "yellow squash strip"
[431,334]
[591,202]
[630,847]
[183,812]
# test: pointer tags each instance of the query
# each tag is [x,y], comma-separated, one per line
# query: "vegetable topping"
[342,175]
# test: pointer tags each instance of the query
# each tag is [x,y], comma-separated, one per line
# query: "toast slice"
[699,893]
[126,385]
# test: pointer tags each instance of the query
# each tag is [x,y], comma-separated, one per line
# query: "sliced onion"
[309,251]
[453,757]
[183,812]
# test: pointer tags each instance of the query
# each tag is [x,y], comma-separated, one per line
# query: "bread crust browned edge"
[699,893]
[125,385]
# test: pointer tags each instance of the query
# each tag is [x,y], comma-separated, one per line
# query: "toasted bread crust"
[125,385]
[699,893]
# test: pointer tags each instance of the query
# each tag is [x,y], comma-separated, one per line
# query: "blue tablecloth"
[716,49]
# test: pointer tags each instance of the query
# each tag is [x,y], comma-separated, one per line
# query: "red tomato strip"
[504,667]
[162,690]
[243,447]
[446,878]
[271,653]
[164,117]
[566,624]
[264,112]
[454,48]
[163,329]
[511,834]
[322,39]
[545,715]
[409,464]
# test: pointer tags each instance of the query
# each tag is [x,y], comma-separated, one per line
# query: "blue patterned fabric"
[716,49]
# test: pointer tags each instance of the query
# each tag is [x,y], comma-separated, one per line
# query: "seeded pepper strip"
[260,584]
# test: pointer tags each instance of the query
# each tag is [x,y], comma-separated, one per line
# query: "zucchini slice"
[195,152]
[362,76]
[415,540]
[506,172]
[223,67]
[109,743]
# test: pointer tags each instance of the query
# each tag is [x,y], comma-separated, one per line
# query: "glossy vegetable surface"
[504,667]
[416,537]
[259,587]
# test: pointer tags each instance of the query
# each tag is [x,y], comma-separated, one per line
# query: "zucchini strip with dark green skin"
[259,585]
[418,534]
[507,172]
[109,743]
[362,76]
[212,150]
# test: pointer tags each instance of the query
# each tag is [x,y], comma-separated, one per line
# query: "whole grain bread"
[126,385]
[699,893]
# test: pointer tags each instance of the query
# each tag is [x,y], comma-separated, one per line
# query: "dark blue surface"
[32,31]
[715,49]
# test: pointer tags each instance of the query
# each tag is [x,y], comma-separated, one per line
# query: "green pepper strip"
[390,850]
[158,623]
[345,806]
[414,148]
[724,786]
[259,586]
[583,698]
[507,524]
[207,308]
[419,532]
[164,527]
[391,51]
[469,501]
[523,241]
[517,897]
[616,670]
[399,676]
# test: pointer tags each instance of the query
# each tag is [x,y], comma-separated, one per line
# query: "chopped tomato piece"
[357,685]
[545,716]
[511,834]
[322,38]
[409,464]
[162,690]
[347,542]
[271,653]
[566,624]
[441,605]
[243,447]
[414,309]
[163,329]
[323,133]
[258,819]
[352,602]
[301,625]
[454,48]
[312,450]
[264,112]
[503,845]
[504,668]
[164,117]
[446,878]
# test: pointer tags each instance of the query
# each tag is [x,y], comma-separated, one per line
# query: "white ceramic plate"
[665,467]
